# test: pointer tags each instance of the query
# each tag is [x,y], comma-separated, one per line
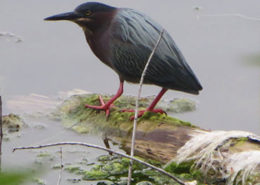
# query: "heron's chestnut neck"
[97,23]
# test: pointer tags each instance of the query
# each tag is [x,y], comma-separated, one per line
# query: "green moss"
[163,118]
[144,183]
[104,158]
[44,157]
[44,154]
[125,161]
[118,117]
[82,129]
[115,168]
[183,167]
[73,112]
[185,170]
[39,181]
[95,175]
[16,177]
[105,183]
[97,167]
[73,169]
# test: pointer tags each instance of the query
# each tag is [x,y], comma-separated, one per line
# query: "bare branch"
[61,167]
[1,133]
[137,105]
[105,149]
[242,16]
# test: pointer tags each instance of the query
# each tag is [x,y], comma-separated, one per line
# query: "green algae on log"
[155,133]
[214,157]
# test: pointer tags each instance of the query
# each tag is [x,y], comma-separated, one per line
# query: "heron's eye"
[88,13]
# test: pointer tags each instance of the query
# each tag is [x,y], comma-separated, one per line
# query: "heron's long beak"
[69,16]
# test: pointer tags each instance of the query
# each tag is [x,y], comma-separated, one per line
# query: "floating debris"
[12,123]
[11,36]
[198,8]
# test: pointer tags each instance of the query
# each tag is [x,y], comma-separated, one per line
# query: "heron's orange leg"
[151,107]
[106,106]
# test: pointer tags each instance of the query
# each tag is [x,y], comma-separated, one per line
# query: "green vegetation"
[14,178]
[114,169]
[185,170]
[74,114]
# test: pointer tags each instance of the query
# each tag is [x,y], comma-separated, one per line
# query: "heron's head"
[90,16]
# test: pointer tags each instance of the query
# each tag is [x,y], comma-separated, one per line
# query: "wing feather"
[133,38]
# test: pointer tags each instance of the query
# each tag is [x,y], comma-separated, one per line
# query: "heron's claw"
[103,106]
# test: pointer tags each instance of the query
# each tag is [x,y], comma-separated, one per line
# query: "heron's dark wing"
[134,36]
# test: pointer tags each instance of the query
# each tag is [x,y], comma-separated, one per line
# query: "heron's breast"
[100,46]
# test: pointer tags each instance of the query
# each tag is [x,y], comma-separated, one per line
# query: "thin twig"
[137,106]
[105,149]
[1,133]
[61,167]
[234,15]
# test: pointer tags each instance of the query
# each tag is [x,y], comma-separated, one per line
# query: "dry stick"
[137,106]
[234,15]
[1,133]
[105,149]
[61,167]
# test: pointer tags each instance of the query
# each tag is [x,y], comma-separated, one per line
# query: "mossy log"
[169,140]
[158,136]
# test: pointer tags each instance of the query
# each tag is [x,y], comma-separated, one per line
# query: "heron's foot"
[103,106]
[141,112]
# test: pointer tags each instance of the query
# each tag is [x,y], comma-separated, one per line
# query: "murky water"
[42,131]
[216,37]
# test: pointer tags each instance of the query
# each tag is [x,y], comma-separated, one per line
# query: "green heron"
[123,39]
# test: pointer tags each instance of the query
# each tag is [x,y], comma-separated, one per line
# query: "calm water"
[52,132]
[216,41]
